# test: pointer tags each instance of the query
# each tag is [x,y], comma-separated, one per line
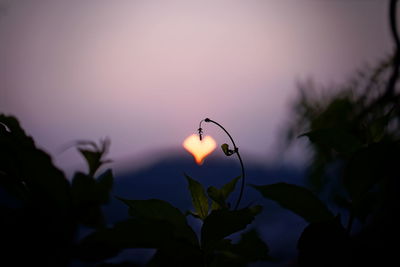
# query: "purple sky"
[145,73]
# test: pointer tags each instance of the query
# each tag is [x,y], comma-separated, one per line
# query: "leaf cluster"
[41,210]
[159,225]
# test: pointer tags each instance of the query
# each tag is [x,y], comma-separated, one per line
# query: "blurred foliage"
[341,119]
[297,199]
[353,131]
[354,141]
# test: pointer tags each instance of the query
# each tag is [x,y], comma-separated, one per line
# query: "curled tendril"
[228,152]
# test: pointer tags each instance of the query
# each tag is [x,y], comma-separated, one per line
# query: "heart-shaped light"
[199,148]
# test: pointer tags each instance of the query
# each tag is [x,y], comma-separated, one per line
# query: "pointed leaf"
[222,223]
[199,197]
[94,154]
[218,198]
[159,210]
[297,199]
[92,159]
[228,188]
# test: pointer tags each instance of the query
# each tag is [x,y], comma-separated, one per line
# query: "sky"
[144,73]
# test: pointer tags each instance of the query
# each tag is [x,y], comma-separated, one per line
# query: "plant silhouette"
[42,213]
[41,210]
[354,136]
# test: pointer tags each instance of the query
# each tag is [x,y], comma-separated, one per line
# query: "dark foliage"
[355,131]
[42,213]
[40,210]
[354,134]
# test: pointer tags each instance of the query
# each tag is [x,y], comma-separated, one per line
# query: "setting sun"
[200,149]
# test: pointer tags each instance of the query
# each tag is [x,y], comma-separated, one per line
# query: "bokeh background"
[144,73]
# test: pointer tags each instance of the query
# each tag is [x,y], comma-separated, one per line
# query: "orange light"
[199,149]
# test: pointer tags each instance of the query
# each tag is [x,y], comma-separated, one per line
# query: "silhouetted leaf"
[88,194]
[104,185]
[338,139]
[199,197]
[297,199]
[140,233]
[155,209]
[86,189]
[218,200]
[251,247]
[132,233]
[222,223]
[24,163]
[336,114]
[228,188]
[94,154]
[159,210]
[219,196]
[37,225]
[323,244]
[93,159]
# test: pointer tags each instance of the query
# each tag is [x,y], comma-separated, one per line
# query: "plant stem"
[236,150]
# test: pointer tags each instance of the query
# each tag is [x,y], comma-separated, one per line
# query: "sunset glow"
[126,69]
[199,149]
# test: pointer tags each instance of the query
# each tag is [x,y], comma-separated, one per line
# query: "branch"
[396,59]
[389,95]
